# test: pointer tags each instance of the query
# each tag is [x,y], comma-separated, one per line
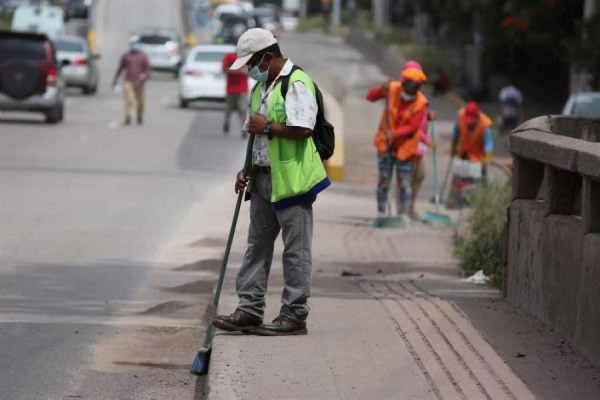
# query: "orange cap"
[414,74]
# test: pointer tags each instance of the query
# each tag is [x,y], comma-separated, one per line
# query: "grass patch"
[310,24]
[315,23]
[392,34]
[482,246]
[5,20]
[432,58]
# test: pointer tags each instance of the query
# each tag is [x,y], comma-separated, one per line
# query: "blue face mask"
[258,75]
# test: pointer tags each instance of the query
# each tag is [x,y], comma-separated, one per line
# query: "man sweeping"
[471,148]
[472,136]
[398,136]
[287,175]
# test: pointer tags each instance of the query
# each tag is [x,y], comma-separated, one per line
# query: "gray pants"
[296,225]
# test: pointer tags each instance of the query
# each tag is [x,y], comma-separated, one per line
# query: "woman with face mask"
[398,136]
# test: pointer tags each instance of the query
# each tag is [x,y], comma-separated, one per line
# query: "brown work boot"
[282,326]
[238,321]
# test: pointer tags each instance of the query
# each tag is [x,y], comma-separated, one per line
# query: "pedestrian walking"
[286,177]
[236,92]
[512,106]
[136,66]
[398,136]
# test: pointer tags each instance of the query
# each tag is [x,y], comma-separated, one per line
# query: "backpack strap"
[285,81]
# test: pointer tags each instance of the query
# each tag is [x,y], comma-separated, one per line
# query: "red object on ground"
[237,83]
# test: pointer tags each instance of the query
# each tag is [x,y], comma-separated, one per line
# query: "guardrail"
[553,253]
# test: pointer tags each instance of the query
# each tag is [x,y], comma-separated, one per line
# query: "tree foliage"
[531,40]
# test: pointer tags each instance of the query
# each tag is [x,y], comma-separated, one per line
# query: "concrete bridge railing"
[553,255]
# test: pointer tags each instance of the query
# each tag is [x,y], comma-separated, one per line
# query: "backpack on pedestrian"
[323,133]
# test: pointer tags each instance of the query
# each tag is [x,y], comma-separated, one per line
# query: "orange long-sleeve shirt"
[412,125]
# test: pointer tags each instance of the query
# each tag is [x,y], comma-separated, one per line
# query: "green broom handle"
[247,166]
[436,183]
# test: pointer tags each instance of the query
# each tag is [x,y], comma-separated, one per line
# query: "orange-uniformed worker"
[472,135]
[397,138]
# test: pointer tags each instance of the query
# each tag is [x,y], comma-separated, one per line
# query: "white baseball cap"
[250,43]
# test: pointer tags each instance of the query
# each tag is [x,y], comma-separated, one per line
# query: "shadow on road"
[10,119]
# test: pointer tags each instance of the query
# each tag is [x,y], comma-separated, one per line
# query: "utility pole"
[303,9]
[381,12]
[336,13]
[589,9]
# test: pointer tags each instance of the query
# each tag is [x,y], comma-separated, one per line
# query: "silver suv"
[30,75]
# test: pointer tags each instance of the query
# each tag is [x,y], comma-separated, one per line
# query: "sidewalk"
[405,327]
[375,336]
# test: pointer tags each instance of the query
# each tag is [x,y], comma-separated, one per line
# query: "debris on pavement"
[478,278]
[349,273]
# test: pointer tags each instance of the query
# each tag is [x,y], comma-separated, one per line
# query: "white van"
[39,19]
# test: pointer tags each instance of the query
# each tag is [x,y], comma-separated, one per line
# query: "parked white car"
[202,77]
[48,20]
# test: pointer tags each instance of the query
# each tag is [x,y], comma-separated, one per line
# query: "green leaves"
[482,246]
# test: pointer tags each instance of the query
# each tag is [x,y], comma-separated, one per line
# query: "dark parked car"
[78,9]
[232,27]
[268,17]
[30,75]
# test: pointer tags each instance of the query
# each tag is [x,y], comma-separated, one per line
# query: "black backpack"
[323,134]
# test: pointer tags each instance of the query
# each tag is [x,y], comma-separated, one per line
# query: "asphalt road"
[86,204]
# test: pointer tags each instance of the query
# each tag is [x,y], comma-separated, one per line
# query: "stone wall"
[553,265]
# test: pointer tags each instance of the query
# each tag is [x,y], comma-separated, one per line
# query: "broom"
[200,364]
[436,217]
